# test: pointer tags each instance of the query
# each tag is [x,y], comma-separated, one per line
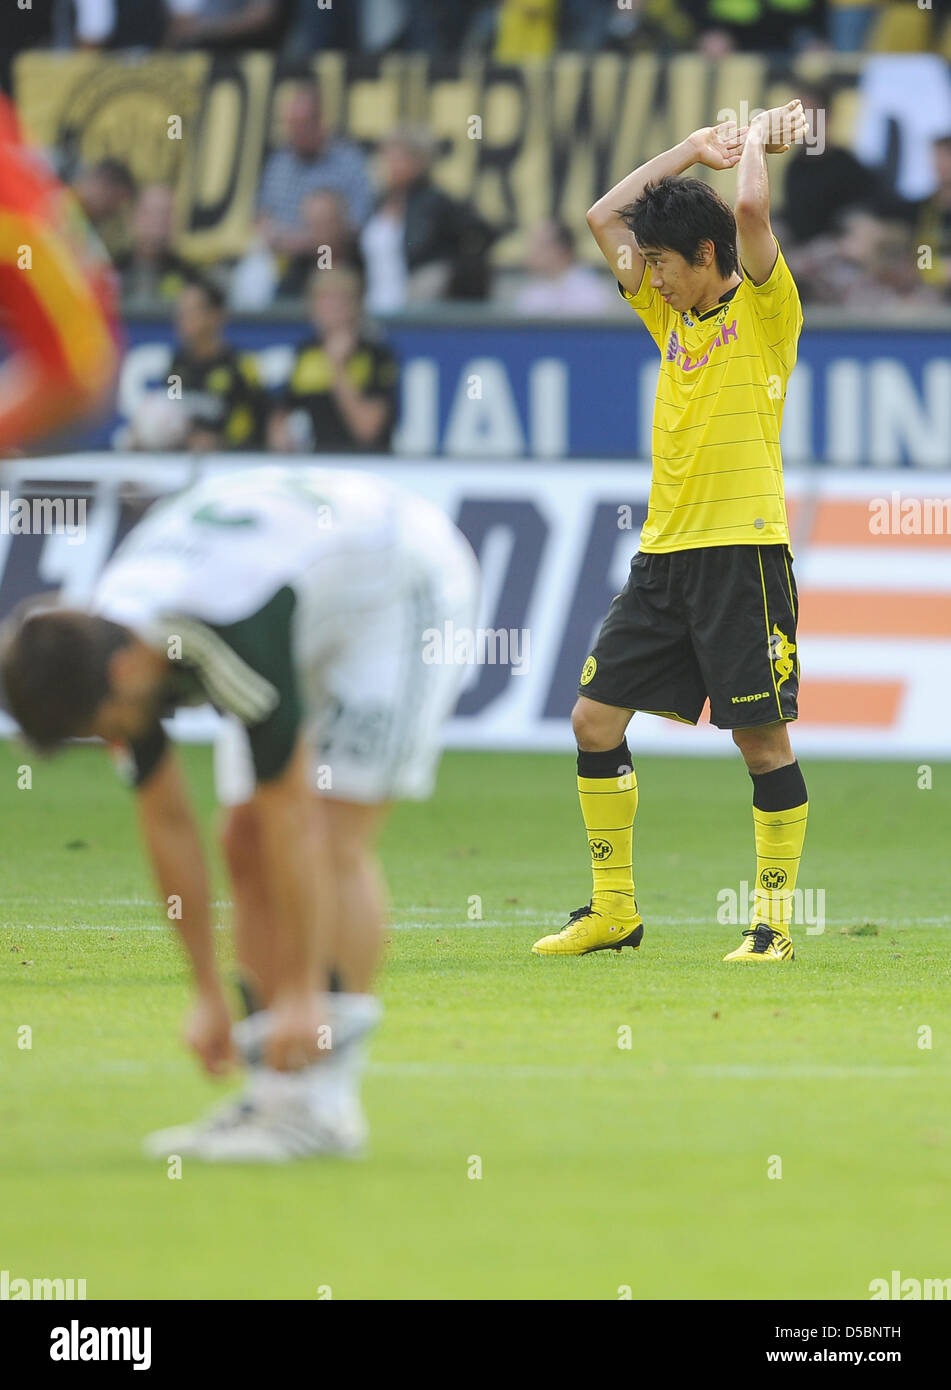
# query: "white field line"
[722,1072]
[540,922]
[413,911]
[514,1071]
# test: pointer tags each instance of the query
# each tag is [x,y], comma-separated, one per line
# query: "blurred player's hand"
[208,1034]
[296,1022]
[782,125]
[718,146]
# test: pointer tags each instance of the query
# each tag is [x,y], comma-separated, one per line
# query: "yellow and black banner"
[524,141]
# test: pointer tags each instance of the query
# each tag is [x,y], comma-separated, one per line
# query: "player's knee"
[764,749]
[597,727]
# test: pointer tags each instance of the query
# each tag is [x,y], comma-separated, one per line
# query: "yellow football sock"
[779,838]
[608,805]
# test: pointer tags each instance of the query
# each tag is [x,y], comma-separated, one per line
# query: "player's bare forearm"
[771,132]
[674,161]
[174,846]
[754,235]
[611,234]
[752,176]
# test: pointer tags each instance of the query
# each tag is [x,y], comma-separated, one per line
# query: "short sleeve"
[777,295]
[657,316]
[777,306]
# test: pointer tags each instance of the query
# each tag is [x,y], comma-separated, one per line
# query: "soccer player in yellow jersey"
[709,609]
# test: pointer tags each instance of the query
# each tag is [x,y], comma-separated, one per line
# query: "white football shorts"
[376,703]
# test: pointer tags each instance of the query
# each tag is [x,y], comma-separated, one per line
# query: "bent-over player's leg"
[361,892]
[253,919]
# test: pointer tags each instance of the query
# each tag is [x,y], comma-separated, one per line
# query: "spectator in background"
[224,24]
[933,229]
[849,22]
[106,193]
[760,26]
[824,180]
[312,160]
[222,405]
[260,276]
[341,394]
[23,29]
[560,284]
[109,24]
[333,243]
[150,272]
[420,245]
[316,29]
[526,29]
[445,30]
[869,265]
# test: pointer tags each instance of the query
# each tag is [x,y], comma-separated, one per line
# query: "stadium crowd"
[507,30]
[348,234]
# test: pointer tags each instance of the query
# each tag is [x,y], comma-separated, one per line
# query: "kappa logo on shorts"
[772,879]
[588,670]
[600,849]
[781,650]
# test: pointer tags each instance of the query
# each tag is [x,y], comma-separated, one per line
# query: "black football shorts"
[717,623]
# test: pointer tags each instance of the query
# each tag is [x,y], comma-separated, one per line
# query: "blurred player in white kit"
[296,600]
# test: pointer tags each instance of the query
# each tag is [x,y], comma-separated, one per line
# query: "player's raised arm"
[771,132]
[718,147]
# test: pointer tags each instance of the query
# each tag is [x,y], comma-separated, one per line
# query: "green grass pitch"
[603,1168]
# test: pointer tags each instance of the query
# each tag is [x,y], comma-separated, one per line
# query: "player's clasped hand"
[718,146]
[783,126]
[208,1034]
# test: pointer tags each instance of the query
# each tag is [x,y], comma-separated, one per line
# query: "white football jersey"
[249,580]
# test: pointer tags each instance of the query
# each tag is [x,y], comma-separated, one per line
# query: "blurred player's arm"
[64,356]
[174,846]
[718,147]
[771,132]
[299,875]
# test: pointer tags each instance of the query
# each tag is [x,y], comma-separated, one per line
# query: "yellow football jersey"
[717,474]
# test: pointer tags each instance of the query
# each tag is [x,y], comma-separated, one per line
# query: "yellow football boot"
[763,943]
[588,931]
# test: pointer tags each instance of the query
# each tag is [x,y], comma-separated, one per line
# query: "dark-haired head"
[54,668]
[685,216]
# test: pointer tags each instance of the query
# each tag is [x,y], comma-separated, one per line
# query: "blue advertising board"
[870,398]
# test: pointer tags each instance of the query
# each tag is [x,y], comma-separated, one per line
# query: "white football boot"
[282,1116]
